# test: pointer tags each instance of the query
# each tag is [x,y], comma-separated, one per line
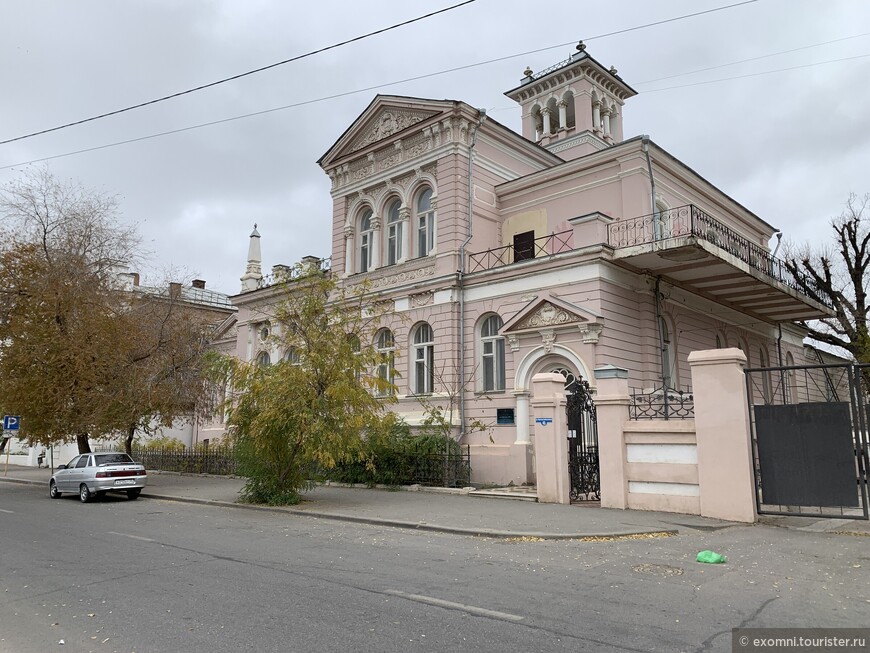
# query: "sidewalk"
[443,510]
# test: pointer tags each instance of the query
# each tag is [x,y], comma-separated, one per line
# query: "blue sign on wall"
[11,422]
[543,420]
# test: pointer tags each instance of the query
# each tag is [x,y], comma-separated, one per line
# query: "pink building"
[562,249]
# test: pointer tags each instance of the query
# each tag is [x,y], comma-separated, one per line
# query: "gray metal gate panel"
[806,454]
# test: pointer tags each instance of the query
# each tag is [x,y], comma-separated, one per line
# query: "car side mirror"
[61,466]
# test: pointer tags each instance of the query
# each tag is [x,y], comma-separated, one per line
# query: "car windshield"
[113,459]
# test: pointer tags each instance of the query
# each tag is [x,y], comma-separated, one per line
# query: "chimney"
[198,283]
[310,264]
[174,290]
[135,277]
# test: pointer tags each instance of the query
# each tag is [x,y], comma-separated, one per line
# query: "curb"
[418,526]
[395,523]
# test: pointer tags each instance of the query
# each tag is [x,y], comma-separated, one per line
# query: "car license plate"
[126,481]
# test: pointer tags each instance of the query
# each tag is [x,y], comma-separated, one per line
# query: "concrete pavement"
[450,511]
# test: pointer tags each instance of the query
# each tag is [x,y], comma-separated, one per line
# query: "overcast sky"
[788,145]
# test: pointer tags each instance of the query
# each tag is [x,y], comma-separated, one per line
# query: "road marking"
[11,512]
[133,537]
[450,605]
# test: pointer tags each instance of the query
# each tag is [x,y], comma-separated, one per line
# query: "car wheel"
[84,493]
[53,492]
[134,493]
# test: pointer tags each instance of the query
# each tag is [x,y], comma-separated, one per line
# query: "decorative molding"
[590,331]
[528,297]
[574,141]
[514,342]
[548,338]
[410,275]
[421,299]
[547,314]
[387,123]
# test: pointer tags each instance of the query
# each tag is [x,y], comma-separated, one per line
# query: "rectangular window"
[423,236]
[524,246]
[423,369]
[364,253]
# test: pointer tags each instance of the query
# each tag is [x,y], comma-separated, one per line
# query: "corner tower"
[574,107]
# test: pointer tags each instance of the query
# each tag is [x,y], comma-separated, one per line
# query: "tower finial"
[581,46]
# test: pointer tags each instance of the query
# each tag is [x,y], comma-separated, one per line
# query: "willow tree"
[81,354]
[838,275]
[313,408]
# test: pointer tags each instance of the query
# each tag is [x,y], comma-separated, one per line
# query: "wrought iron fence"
[451,469]
[658,404]
[213,460]
[689,220]
[555,243]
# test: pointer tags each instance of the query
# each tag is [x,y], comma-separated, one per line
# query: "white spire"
[253,272]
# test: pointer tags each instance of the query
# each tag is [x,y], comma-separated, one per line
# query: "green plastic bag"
[711,557]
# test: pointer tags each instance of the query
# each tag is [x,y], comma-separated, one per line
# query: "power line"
[368,88]
[758,74]
[240,75]
[764,56]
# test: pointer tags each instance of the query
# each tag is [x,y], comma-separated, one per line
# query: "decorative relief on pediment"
[387,123]
[546,315]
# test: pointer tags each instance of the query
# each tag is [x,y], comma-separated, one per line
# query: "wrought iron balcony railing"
[555,243]
[691,221]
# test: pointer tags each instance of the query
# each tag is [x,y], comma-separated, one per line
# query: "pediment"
[549,312]
[385,117]
[226,329]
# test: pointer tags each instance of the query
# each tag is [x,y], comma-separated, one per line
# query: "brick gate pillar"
[725,467]
[551,438]
[611,408]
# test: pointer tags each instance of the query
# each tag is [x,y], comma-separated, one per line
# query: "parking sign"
[11,422]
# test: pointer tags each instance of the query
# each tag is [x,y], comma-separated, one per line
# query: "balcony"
[688,248]
[691,249]
[545,246]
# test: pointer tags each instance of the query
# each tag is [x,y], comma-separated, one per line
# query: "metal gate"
[809,439]
[582,443]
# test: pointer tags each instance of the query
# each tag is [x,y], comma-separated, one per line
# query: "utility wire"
[240,75]
[358,38]
[363,90]
[369,88]
[758,74]
[764,56]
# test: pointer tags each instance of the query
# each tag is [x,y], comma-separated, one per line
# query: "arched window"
[765,376]
[425,223]
[790,381]
[292,355]
[386,370]
[669,350]
[263,359]
[423,355]
[570,118]
[365,241]
[395,237]
[491,354]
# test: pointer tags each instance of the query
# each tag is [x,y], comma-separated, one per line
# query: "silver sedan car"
[97,473]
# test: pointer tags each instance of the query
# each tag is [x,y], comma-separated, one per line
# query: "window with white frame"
[366,244]
[394,233]
[424,359]
[491,354]
[386,370]
[292,355]
[668,356]
[425,223]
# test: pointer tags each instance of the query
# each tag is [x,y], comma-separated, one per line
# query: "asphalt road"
[153,575]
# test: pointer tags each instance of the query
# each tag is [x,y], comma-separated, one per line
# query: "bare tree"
[837,275]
